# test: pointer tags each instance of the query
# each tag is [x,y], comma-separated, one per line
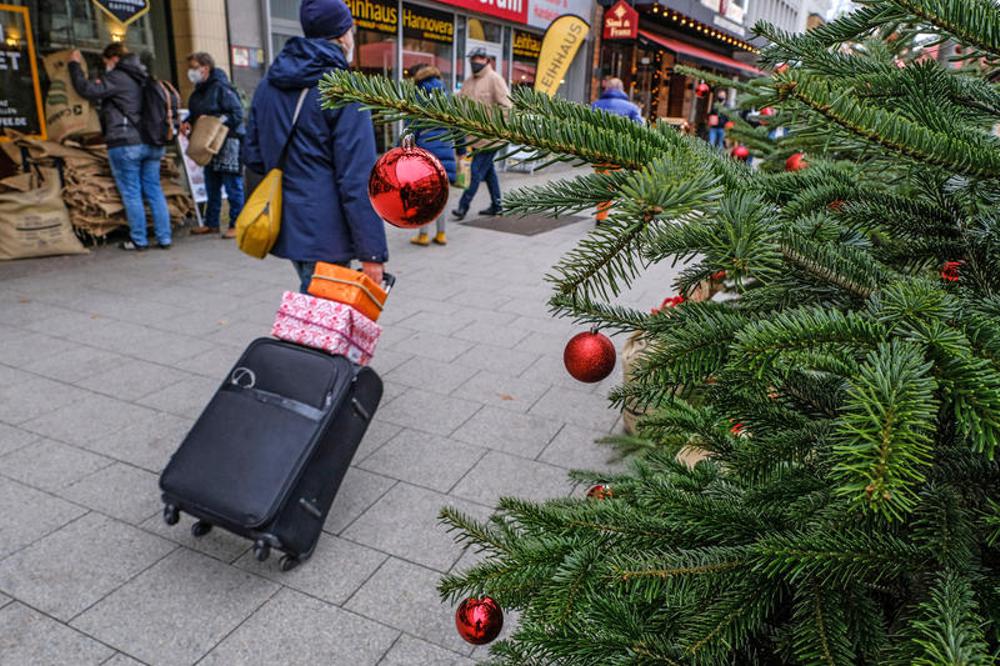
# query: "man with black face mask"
[489,88]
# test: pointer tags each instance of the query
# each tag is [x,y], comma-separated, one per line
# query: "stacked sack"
[34,221]
[336,316]
[95,206]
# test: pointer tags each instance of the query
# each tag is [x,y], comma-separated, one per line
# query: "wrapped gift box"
[327,325]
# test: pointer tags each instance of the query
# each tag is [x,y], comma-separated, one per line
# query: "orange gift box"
[350,287]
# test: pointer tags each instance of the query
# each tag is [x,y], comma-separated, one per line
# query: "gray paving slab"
[24,347]
[89,419]
[177,610]
[578,407]
[76,364]
[416,607]
[410,651]
[502,474]
[386,360]
[4,600]
[577,448]
[133,380]
[358,491]
[428,345]
[218,543]
[436,322]
[50,465]
[12,438]
[29,514]
[27,400]
[352,562]
[379,432]
[73,568]
[500,390]
[525,435]
[23,311]
[186,398]
[404,523]
[433,412]
[440,377]
[214,362]
[122,491]
[423,459]
[488,333]
[498,359]
[29,638]
[121,660]
[147,442]
[292,628]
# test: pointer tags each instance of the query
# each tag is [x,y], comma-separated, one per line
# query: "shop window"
[486,35]
[525,51]
[428,38]
[377,24]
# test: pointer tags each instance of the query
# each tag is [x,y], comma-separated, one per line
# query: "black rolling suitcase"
[267,456]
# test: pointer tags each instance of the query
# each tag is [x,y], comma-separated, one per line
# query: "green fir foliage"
[842,394]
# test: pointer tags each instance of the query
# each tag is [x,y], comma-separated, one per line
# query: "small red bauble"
[601,491]
[589,357]
[949,272]
[781,69]
[767,111]
[796,162]
[702,89]
[408,187]
[670,302]
[479,621]
[740,152]
[836,204]
[729,125]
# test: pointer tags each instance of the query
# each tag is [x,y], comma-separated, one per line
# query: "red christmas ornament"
[729,125]
[949,272]
[836,205]
[767,111]
[702,89]
[479,621]
[671,302]
[718,276]
[796,162]
[408,187]
[738,430]
[740,152]
[781,69]
[589,357]
[601,491]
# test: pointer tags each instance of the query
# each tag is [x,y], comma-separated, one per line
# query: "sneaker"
[491,211]
[440,238]
[201,231]
[459,214]
[421,239]
[164,246]
[230,233]
[132,247]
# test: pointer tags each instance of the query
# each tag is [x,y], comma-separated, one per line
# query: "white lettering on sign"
[10,60]
[506,5]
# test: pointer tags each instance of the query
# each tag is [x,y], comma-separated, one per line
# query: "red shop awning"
[698,53]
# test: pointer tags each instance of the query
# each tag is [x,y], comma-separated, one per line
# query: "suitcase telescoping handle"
[388,282]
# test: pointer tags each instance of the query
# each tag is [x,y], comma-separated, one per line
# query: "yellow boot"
[440,238]
[421,239]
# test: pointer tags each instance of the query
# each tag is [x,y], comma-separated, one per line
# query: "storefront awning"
[698,53]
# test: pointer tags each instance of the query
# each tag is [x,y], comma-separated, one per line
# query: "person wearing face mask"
[135,165]
[214,95]
[486,87]
[326,214]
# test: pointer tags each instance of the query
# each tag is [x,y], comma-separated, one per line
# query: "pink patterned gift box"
[327,325]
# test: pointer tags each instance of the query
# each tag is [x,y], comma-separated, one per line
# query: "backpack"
[160,120]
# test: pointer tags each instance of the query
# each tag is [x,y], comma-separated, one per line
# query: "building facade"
[789,15]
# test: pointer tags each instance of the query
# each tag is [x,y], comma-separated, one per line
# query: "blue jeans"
[717,136]
[483,168]
[305,270]
[137,174]
[214,182]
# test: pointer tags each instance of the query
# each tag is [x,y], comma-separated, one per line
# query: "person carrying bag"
[259,223]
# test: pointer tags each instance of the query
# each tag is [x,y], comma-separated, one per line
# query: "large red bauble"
[796,162]
[479,621]
[408,187]
[729,125]
[590,356]
[740,152]
[702,89]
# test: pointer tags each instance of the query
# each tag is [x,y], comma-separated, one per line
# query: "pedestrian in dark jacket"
[326,214]
[614,100]
[135,165]
[215,96]
[433,140]
[717,119]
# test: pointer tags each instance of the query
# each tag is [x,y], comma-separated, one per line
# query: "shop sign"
[430,24]
[375,15]
[621,21]
[21,107]
[123,11]
[559,46]
[509,10]
[527,45]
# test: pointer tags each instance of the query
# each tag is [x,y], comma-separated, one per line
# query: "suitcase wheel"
[200,529]
[171,514]
[261,550]
[288,562]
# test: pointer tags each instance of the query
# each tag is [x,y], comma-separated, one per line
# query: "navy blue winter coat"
[615,101]
[217,97]
[326,215]
[430,139]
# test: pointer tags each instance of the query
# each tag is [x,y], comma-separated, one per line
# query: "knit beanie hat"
[325,18]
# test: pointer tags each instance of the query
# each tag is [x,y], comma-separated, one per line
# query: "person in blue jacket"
[614,100]
[428,80]
[215,96]
[326,214]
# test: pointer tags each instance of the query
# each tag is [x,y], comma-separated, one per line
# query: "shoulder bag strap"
[291,132]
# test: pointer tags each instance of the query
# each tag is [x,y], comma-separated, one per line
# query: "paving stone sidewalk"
[105,362]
